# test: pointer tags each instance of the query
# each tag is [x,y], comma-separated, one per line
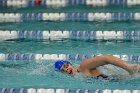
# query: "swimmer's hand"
[135,69]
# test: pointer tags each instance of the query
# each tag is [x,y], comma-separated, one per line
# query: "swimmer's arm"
[90,65]
[97,61]
[93,63]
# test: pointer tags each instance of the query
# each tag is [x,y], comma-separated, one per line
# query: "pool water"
[40,74]
[28,74]
[71,47]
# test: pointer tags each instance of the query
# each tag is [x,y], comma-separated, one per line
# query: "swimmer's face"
[68,69]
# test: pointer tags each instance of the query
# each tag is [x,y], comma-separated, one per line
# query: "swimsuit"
[103,76]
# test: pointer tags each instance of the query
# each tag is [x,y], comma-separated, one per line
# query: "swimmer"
[89,66]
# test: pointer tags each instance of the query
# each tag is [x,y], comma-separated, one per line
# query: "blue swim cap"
[58,64]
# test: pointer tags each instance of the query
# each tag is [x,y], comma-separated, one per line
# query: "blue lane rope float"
[65,3]
[43,90]
[76,16]
[13,90]
[76,35]
[79,57]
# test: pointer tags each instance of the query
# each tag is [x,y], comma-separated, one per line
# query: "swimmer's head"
[59,64]
[64,66]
